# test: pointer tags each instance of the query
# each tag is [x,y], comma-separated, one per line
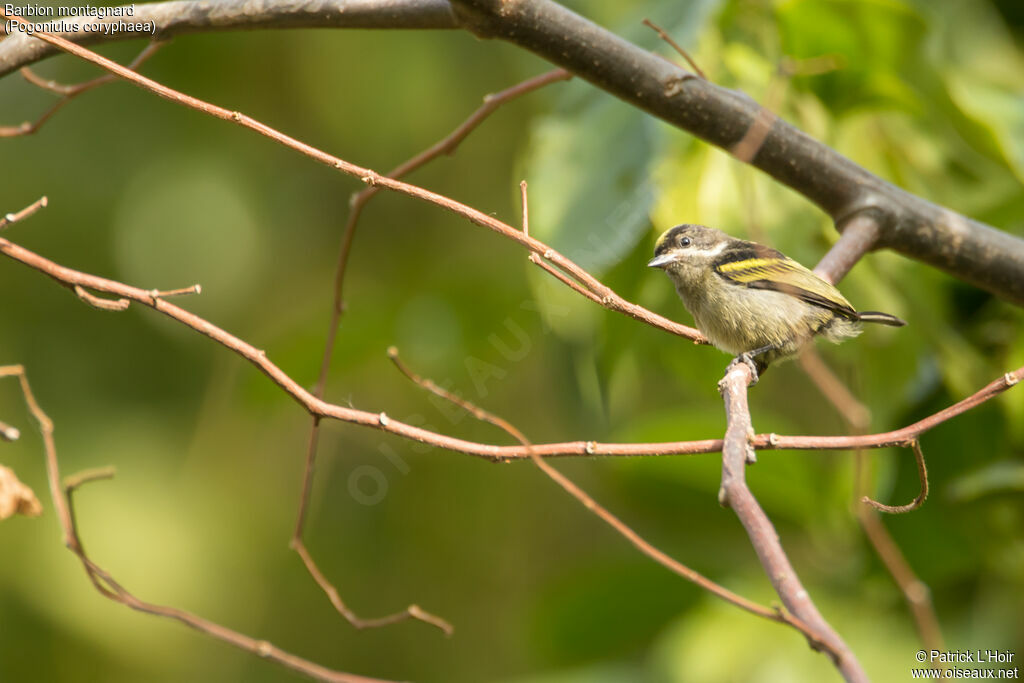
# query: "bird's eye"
[684,242]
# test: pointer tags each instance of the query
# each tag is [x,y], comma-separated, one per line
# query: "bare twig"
[68,92]
[182,291]
[538,259]
[922,473]
[853,411]
[750,144]
[675,46]
[447,145]
[600,511]
[524,199]
[101,303]
[88,476]
[858,237]
[319,408]
[110,588]
[410,612]
[989,258]
[12,218]
[608,298]
[915,592]
[967,249]
[737,495]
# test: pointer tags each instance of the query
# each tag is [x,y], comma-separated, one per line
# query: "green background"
[209,453]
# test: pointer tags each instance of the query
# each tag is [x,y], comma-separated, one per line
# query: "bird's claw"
[746,358]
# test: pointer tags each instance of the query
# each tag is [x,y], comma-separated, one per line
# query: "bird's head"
[687,251]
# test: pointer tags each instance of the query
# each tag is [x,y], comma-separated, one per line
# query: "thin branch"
[967,249]
[181,291]
[675,46]
[101,303]
[320,408]
[922,474]
[853,411]
[608,298]
[538,259]
[524,200]
[76,481]
[446,145]
[915,592]
[737,495]
[747,148]
[68,92]
[601,512]
[110,588]
[972,251]
[29,210]
[859,235]
[410,612]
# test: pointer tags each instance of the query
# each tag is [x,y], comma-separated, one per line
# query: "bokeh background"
[929,95]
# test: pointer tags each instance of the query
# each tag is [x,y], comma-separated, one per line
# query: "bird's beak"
[661,261]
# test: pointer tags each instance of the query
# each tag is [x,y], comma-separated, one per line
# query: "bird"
[753,301]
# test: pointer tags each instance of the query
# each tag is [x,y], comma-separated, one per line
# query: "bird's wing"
[759,267]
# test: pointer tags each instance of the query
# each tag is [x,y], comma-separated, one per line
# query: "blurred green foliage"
[928,95]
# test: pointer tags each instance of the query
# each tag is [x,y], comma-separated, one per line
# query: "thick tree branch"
[180,17]
[970,250]
[967,249]
[605,296]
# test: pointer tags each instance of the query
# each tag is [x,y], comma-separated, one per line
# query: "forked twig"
[605,515]
[447,145]
[109,587]
[318,408]
[68,92]
[608,298]
[735,494]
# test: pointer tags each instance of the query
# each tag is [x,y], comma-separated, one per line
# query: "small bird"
[753,301]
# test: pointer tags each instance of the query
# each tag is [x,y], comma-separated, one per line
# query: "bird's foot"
[747,359]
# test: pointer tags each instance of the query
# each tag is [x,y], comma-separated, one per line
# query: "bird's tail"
[881,318]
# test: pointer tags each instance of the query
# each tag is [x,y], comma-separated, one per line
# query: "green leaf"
[588,168]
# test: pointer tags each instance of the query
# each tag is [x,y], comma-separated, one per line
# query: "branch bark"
[967,249]
[735,493]
[181,17]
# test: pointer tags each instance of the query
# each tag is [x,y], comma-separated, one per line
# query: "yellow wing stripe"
[752,269]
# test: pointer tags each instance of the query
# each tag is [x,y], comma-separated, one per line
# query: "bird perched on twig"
[753,301]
